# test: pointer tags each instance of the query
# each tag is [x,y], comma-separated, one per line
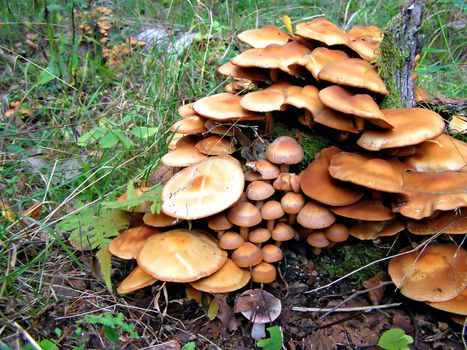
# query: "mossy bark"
[398,49]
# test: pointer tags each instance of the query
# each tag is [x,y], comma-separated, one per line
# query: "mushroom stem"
[259,204]
[359,123]
[258,331]
[270,225]
[269,124]
[284,168]
[244,231]
[292,218]
[274,74]
[220,233]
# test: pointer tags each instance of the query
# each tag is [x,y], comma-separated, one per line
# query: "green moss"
[354,255]
[391,58]
[310,141]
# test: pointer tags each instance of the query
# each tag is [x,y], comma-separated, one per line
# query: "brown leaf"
[319,340]
[376,295]
[226,314]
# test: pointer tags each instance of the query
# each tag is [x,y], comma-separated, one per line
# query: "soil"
[165,319]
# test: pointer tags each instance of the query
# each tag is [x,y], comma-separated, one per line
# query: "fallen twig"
[345,309]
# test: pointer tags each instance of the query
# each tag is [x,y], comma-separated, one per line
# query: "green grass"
[40,156]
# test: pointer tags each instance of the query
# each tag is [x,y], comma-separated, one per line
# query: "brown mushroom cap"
[315,216]
[262,37]
[271,210]
[259,190]
[373,34]
[259,235]
[456,305]
[227,279]
[336,120]
[443,153]
[318,239]
[361,105]
[189,126]
[365,209]
[354,72]
[272,56]
[318,184]
[282,232]
[292,202]
[223,129]
[321,29]
[449,182]
[266,100]
[267,170]
[127,244]
[457,125]
[219,222]
[183,157]
[385,175]
[159,219]
[203,189]
[181,256]
[137,279]
[186,110]
[318,58]
[246,255]
[305,97]
[222,107]
[284,150]
[365,230]
[263,273]
[231,70]
[244,214]
[230,240]
[337,232]
[410,127]
[272,253]
[438,273]
[453,222]
[182,140]
[215,146]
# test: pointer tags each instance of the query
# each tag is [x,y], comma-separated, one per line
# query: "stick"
[345,309]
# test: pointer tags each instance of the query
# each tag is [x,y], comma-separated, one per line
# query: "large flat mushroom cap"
[385,175]
[439,273]
[231,70]
[228,278]
[353,72]
[444,153]
[449,182]
[457,305]
[266,100]
[181,256]
[365,230]
[453,222]
[365,209]
[262,37]
[336,120]
[189,126]
[203,189]
[137,279]
[321,29]
[222,107]
[215,146]
[272,56]
[127,244]
[159,219]
[411,126]
[361,105]
[183,156]
[304,97]
[318,58]
[318,184]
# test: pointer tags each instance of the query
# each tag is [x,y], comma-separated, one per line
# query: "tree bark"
[401,43]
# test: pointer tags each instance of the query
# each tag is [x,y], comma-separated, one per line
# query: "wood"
[399,47]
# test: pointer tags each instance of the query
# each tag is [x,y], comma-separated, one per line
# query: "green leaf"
[395,339]
[213,309]
[91,136]
[144,132]
[111,334]
[189,346]
[95,230]
[44,77]
[105,262]
[123,139]
[110,320]
[135,198]
[274,342]
[48,344]
[108,140]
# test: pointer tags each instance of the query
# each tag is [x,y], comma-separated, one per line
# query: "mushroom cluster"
[406,172]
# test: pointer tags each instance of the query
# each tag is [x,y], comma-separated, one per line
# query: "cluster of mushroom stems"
[406,173]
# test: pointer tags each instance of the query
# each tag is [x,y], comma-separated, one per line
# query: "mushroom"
[219,223]
[282,232]
[270,211]
[259,191]
[244,215]
[337,232]
[456,305]
[181,256]
[183,156]
[227,279]
[189,126]
[292,203]
[364,230]
[453,222]
[272,253]
[248,254]
[159,219]
[322,30]
[436,274]
[137,279]
[231,240]
[263,273]
[315,216]
[262,37]
[365,209]
[259,307]
[203,189]
[284,151]
[127,244]
[259,235]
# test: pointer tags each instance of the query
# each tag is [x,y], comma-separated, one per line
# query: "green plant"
[395,339]
[274,342]
[112,326]
[189,346]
